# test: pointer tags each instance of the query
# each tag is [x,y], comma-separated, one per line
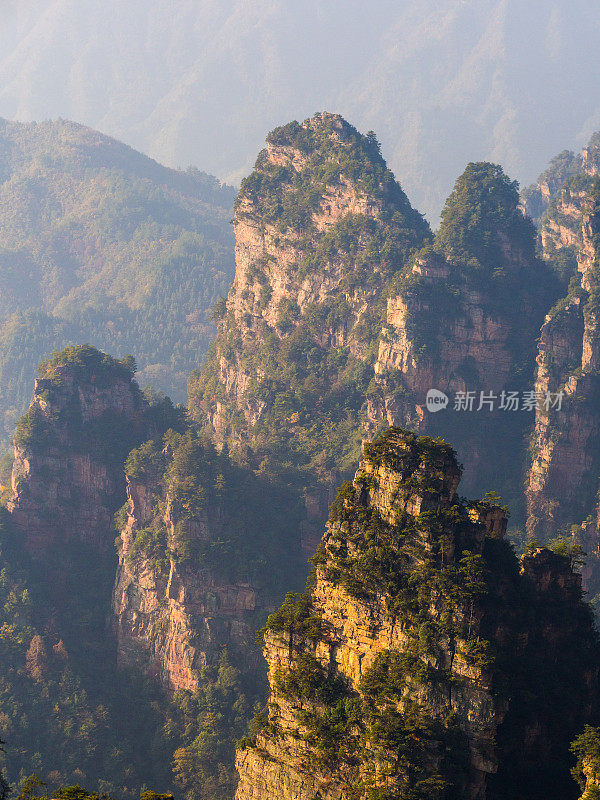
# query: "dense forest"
[100,244]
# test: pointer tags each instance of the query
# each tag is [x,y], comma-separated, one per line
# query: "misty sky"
[202,81]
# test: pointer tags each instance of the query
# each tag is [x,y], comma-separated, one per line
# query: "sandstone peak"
[321,228]
[407,472]
[414,635]
[69,447]
[314,162]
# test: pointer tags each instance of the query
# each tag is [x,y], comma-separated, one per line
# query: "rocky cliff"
[87,412]
[539,198]
[206,551]
[345,312]
[69,712]
[563,479]
[423,661]
[201,561]
[464,321]
[67,483]
[321,228]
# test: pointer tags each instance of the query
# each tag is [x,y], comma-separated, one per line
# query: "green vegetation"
[253,539]
[145,462]
[86,364]
[208,722]
[34,788]
[491,246]
[99,243]
[62,716]
[458,598]
[481,217]
[334,151]
[33,430]
[586,772]
[200,484]
[109,436]
[296,618]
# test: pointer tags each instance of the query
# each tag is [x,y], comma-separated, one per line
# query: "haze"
[202,81]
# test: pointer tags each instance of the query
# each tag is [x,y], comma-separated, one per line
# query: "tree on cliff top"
[482,217]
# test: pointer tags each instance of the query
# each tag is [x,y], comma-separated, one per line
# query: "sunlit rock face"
[396,670]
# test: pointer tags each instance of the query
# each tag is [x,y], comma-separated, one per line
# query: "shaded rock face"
[66,479]
[563,478]
[416,665]
[171,619]
[201,562]
[471,349]
[464,321]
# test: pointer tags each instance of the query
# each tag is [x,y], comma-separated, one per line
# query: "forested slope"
[99,243]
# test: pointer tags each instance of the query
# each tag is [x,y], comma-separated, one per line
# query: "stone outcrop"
[186,587]
[566,169]
[469,347]
[344,312]
[86,414]
[415,665]
[563,478]
[321,228]
[464,321]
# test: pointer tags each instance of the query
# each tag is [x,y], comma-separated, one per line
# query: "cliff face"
[321,228]
[207,549]
[86,414]
[193,576]
[538,199]
[169,615]
[449,329]
[563,477]
[396,673]
[78,716]
[345,312]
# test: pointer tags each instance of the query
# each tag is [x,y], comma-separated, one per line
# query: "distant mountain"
[199,81]
[99,243]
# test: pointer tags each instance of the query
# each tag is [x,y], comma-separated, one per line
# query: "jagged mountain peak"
[320,155]
[566,171]
[321,228]
[412,665]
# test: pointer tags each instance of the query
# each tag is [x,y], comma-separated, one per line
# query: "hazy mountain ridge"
[100,243]
[203,82]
